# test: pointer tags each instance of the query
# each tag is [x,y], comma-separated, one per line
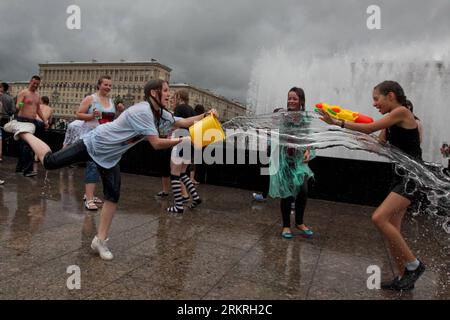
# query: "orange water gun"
[344,114]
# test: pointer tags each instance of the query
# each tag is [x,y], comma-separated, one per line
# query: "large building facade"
[67,83]
[227,109]
[16,87]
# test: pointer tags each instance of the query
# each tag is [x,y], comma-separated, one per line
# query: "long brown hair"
[157,86]
[301,96]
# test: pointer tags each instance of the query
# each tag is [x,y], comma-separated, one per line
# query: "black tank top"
[407,140]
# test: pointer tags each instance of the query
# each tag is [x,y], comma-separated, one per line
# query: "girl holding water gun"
[290,182]
[401,131]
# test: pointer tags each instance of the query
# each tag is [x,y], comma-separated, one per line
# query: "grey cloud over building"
[209,43]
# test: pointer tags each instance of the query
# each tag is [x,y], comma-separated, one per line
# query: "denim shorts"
[91,174]
[77,153]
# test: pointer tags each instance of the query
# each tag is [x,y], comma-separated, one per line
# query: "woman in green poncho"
[290,181]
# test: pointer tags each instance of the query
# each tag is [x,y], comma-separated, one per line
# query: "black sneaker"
[410,277]
[391,285]
[162,194]
[30,174]
[195,203]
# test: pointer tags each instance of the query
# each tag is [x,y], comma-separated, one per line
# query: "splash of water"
[47,188]
[347,78]
[429,178]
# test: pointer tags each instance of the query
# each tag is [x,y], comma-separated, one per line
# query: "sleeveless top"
[108,114]
[407,140]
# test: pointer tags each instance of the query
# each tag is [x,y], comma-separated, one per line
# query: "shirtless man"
[29,106]
[29,102]
[46,110]
[1,137]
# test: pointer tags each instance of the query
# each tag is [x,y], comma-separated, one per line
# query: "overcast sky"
[209,43]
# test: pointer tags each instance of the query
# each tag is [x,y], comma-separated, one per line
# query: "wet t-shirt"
[107,143]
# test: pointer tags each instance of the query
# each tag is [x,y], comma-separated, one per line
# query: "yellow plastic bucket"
[206,131]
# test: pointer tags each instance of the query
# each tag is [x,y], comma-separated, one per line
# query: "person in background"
[179,178]
[96,109]
[2,91]
[29,105]
[290,182]
[46,110]
[198,109]
[164,157]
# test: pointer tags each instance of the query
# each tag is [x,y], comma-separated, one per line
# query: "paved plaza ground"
[228,248]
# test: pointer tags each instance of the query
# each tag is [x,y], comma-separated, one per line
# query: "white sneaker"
[2,182]
[17,128]
[102,249]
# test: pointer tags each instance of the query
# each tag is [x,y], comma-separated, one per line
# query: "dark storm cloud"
[209,43]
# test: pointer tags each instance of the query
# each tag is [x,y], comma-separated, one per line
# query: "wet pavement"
[228,248]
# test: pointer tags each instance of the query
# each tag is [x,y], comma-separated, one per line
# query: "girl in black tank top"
[407,140]
[400,129]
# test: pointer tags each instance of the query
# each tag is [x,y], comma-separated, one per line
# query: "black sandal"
[195,203]
[162,194]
